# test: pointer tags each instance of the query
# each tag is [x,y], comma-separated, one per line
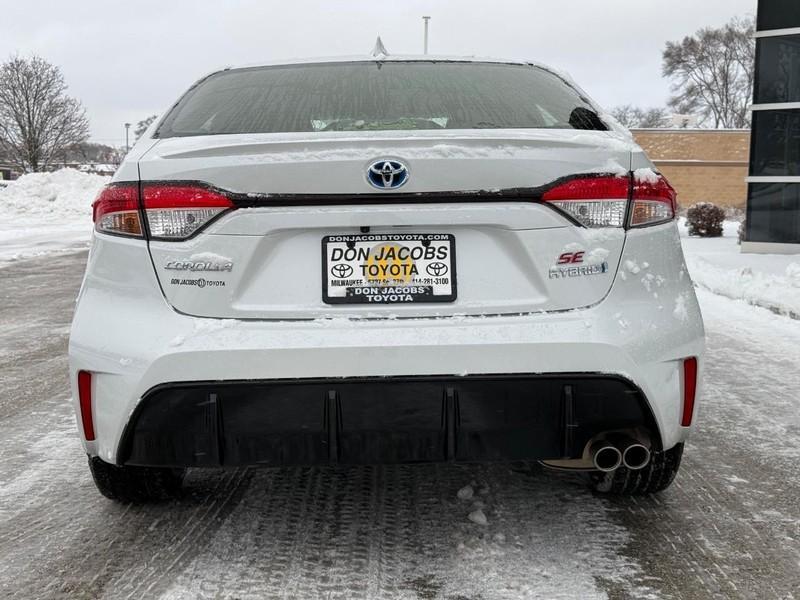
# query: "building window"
[776,143]
[778,14]
[778,69]
[773,213]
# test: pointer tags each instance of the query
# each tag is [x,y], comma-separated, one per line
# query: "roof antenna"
[379,50]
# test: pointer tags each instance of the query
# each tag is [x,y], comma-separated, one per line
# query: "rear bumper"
[126,334]
[379,420]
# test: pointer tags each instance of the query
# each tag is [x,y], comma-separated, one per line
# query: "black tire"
[136,484]
[655,477]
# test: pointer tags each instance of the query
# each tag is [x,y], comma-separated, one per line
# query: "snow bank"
[64,195]
[768,280]
[779,293]
[47,212]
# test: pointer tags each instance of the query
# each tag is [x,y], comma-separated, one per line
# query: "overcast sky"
[127,59]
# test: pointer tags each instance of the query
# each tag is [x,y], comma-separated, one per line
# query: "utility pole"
[127,145]
[426,19]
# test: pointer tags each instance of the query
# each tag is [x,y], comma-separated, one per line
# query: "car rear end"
[385,261]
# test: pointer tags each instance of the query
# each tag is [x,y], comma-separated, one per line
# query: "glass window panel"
[379,96]
[778,14]
[778,75]
[776,143]
[773,213]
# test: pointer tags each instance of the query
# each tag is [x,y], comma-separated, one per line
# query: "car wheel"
[655,477]
[135,484]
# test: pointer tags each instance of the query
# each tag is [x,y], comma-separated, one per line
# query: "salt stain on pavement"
[401,532]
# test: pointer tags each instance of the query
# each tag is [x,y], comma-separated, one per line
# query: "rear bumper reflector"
[689,390]
[85,400]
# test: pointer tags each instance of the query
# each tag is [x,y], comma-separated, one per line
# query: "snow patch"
[209,257]
[572,247]
[597,256]
[646,175]
[604,234]
[793,274]
[465,493]
[632,267]
[680,311]
[478,517]
[612,167]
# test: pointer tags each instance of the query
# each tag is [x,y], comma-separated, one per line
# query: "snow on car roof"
[385,58]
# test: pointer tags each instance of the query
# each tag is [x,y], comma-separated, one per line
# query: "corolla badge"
[387,174]
[199,265]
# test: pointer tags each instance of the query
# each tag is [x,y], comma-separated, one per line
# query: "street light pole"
[127,145]
[426,19]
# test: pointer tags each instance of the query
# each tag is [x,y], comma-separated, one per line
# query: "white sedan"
[385,259]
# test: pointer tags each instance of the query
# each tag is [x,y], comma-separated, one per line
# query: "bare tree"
[142,126]
[635,117]
[712,73]
[38,120]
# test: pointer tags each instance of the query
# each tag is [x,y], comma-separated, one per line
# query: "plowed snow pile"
[46,212]
[768,280]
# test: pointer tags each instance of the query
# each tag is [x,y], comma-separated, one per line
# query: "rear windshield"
[375,96]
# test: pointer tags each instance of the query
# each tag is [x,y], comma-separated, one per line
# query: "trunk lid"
[266,261]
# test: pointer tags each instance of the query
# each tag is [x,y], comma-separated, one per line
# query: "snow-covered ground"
[768,280]
[46,212]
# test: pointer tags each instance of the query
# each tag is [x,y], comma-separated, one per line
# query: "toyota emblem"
[341,270]
[436,269]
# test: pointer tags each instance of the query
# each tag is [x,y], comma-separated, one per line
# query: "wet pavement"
[728,528]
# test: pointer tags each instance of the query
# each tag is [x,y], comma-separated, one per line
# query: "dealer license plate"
[394,268]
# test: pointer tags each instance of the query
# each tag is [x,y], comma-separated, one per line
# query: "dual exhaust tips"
[619,450]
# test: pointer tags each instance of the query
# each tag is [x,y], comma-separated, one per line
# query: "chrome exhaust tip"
[606,457]
[636,456]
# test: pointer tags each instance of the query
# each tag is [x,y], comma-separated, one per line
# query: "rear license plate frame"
[426,286]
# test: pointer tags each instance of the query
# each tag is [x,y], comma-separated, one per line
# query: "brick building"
[703,165]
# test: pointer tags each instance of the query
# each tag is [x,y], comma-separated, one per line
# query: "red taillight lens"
[176,212]
[85,401]
[173,211]
[116,210]
[602,200]
[595,201]
[654,199]
[689,390]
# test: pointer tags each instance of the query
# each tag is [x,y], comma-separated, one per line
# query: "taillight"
[85,401]
[594,201]
[602,200]
[116,210]
[689,390]
[172,211]
[654,199]
[176,212]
